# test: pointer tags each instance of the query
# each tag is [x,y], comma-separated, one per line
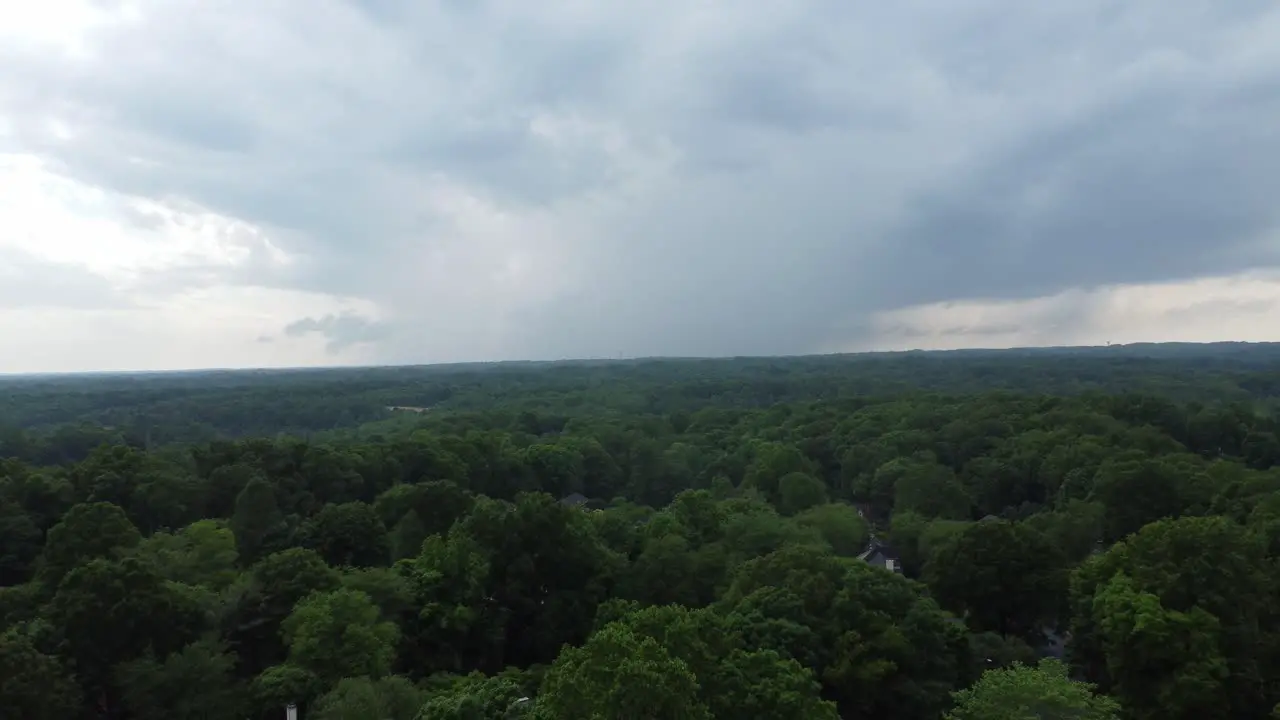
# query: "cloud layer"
[450,181]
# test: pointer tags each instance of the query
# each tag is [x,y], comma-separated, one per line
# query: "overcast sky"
[213,183]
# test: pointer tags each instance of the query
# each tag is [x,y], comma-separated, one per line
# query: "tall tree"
[840,525]
[363,698]
[733,681]
[1179,620]
[617,674]
[195,683]
[109,612]
[257,517]
[880,646]
[544,572]
[33,685]
[1136,492]
[276,584]
[20,544]
[476,697]
[1042,691]
[405,537]
[203,553]
[349,534]
[798,492]
[340,634]
[999,575]
[87,532]
[772,461]
[933,490]
[225,484]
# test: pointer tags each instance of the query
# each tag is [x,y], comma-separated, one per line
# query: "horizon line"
[617,359]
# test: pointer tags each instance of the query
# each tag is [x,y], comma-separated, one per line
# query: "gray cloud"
[341,331]
[684,179]
[1151,190]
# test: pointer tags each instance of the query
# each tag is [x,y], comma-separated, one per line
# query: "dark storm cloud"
[1164,187]
[678,179]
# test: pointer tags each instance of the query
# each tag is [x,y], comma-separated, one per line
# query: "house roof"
[878,546]
[574,499]
[882,554]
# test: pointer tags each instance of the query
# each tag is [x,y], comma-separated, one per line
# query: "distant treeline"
[51,418]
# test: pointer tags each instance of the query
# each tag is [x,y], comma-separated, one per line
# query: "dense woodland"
[1090,534]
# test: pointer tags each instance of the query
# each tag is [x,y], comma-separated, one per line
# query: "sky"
[209,183]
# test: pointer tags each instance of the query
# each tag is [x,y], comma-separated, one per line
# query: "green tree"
[880,647]
[256,519]
[166,497]
[476,697]
[1163,663]
[732,680]
[1176,620]
[916,537]
[520,580]
[88,531]
[330,475]
[450,581]
[697,515]
[349,534]
[619,675]
[388,698]
[1001,576]
[275,585]
[423,457]
[769,686]
[601,475]
[391,591]
[225,484]
[340,634]
[557,468]
[1076,528]
[620,527]
[1006,480]
[33,686]
[798,492]
[109,612]
[753,528]
[110,486]
[1136,492]
[437,503]
[44,495]
[932,490]
[772,461]
[20,544]
[668,570]
[1042,691]
[20,603]
[406,536]
[195,683]
[282,685]
[840,525]
[992,651]
[203,553]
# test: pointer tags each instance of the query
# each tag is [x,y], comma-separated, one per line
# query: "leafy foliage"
[650,539]
[1041,691]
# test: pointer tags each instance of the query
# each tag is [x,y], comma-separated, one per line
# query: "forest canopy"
[1075,533]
